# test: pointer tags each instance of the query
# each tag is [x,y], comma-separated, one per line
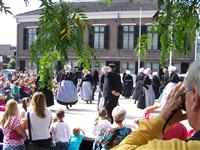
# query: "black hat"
[112,65]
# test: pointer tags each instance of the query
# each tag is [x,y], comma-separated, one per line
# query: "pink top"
[11,136]
[177,130]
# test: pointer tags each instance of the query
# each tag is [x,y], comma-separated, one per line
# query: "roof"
[99,6]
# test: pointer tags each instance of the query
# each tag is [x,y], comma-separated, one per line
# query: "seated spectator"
[110,137]
[101,121]
[177,131]
[22,92]
[76,139]
[60,131]
[15,91]
[8,96]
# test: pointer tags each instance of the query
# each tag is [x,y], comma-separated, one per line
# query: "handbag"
[42,144]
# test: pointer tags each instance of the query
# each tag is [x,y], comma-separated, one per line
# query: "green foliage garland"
[61,29]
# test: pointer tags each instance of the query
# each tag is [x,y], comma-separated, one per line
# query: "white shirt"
[40,126]
[60,131]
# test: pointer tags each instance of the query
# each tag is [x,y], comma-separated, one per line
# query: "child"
[8,96]
[12,128]
[76,139]
[101,121]
[60,131]
[25,104]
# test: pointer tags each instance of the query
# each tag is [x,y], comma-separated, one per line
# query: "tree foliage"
[12,64]
[4,8]
[61,28]
[177,23]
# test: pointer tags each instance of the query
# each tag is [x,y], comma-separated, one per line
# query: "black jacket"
[112,81]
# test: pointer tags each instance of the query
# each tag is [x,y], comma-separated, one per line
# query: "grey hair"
[119,113]
[193,76]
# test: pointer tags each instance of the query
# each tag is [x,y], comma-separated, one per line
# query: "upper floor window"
[126,37]
[99,38]
[154,39]
[30,35]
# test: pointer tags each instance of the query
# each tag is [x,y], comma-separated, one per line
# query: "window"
[99,39]
[153,66]
[126,37]
[154,38]
[127,65]
[30,35]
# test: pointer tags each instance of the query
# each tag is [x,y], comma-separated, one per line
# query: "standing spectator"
[25,104]
[40,121]
[111,89]
[86,86]
[12,128]
[76,139]
[95,80]
[60,131]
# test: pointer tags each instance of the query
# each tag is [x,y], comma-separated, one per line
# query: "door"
[136,66]
[184,67]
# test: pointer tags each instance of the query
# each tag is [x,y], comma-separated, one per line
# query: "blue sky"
[8,26]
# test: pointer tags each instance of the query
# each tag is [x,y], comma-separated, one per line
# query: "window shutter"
[25,39]
[136,32]
[120,37]
[91,37]
[106,37]
[143,30]
[159,43]
[38,30]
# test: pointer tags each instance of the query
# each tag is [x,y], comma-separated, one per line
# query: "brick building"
[116,28]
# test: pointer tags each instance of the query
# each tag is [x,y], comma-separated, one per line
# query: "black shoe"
[67,107]
[90,102]
[86,102]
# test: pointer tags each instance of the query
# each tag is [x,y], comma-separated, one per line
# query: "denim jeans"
[19,147]
[61,145]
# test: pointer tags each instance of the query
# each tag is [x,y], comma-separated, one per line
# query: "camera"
[182,105]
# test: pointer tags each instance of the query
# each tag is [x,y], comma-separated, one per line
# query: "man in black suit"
[111,90]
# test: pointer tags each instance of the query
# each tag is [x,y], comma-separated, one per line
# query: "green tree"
[61,28]
[12,64]
[177,23]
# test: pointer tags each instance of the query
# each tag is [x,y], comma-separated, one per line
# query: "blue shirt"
[75,142]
